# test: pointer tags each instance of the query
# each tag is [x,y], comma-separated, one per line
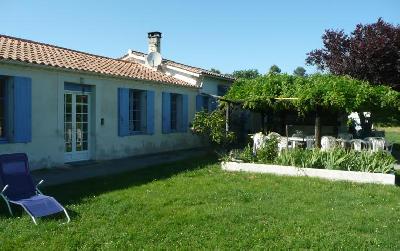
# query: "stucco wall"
[47,146]
[182,75]
[210,85]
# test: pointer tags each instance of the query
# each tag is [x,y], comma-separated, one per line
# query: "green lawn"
[194,204]
[392,134]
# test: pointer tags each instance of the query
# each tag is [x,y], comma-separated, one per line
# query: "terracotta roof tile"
[21,50]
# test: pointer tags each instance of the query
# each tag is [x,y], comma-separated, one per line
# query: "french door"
[76,126]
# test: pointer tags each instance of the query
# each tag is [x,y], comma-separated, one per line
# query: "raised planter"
[361,177]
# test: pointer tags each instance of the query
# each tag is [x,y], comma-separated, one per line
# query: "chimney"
[154,41]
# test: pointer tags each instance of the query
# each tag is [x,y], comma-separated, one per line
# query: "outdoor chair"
[283,144]
[343,143]
[19,188]
[310,142]
[358,144]
[259,140]
[345,136]
[327,142]
[273,134]
[378,144]
[388,147]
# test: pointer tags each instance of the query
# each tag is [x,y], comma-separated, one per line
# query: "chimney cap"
[154,34]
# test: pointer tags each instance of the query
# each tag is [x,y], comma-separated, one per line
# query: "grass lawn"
[392,134]
[194,204]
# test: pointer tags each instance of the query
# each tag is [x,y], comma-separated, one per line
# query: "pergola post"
[227,118]
[317,128]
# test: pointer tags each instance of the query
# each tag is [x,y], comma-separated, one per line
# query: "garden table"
[296,141]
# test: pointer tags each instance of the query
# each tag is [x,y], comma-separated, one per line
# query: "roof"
[193,69]
[26,51]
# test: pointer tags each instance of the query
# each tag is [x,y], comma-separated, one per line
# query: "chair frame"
[37,192]
[26,210]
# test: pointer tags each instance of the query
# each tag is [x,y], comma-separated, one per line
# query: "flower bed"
[353,176]
[334,159]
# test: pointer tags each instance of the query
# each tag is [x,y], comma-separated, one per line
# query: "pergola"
[315,93]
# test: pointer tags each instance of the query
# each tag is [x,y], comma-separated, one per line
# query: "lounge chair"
[19,188]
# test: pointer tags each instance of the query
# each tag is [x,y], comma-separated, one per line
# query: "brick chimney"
[154,41]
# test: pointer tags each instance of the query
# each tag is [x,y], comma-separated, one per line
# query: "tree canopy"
[247,74]
[274,69]
[215,70]
[336,93]
[299,71]
[371,52]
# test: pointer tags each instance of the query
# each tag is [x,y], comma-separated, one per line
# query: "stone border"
[360,177]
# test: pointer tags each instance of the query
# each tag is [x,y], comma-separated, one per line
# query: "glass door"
[76,126]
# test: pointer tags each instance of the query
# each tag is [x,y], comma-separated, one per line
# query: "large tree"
[371,52]
[299,71]
[274,69]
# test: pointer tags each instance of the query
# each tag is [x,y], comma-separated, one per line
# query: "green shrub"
[247,154]
[268,152]
[338,159]
[212,127]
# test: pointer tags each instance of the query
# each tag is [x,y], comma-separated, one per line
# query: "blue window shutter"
[123,112]
[166,112]
[185,113]
[212,104]
[150,112]
[22,123]
[199,103]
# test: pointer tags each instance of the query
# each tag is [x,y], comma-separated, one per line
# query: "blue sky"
[227,35]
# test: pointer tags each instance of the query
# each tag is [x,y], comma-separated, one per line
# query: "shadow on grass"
[73,193]
[396,152]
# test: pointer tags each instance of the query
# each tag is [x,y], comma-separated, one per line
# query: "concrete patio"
[89,169]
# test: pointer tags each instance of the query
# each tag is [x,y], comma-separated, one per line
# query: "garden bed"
[339,175]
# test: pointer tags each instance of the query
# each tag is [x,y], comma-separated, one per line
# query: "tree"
[215,70]
[299,71]
[371,52]
[246,74]
[274,69]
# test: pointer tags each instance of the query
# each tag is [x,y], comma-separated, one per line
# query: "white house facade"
[60,105]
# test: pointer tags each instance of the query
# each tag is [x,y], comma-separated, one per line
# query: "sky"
[226,35]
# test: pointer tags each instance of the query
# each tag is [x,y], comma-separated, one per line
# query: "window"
[222,90]
[2,108]
[137,110]
[174,111]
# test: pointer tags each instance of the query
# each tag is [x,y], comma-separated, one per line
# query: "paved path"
[90,169]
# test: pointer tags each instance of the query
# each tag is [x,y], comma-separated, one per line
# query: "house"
[60,105]
[207,81]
